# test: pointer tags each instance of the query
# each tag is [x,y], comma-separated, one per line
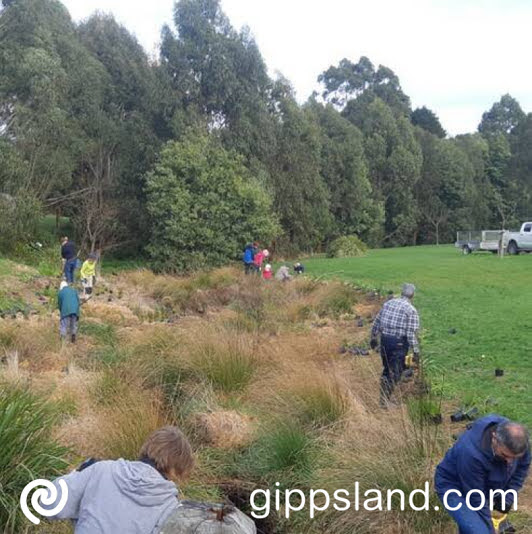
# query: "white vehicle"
[520,241]
[513,242]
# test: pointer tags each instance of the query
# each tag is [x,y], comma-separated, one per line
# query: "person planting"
[491,460]
[88,275]
[133,497]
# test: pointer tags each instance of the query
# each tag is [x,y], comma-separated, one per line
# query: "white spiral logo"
[46,496]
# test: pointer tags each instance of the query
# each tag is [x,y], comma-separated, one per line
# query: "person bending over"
[133,497]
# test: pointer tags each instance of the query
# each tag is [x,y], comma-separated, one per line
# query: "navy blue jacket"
[68,250]
[470,464]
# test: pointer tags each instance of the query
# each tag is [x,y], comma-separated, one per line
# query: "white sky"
[456,57]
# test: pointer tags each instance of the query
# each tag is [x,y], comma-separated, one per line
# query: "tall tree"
[428,120]
[502,118]
[344,169]
[300,196]
[349,81]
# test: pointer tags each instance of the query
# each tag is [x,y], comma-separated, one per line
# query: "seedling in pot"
[465,415]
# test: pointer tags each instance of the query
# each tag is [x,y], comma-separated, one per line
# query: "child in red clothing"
[267,273]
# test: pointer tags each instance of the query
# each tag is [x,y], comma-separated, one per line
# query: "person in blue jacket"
[70,259]
[249,256]
[494,454]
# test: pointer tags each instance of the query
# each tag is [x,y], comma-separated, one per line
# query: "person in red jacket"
[267,273]
[259,258]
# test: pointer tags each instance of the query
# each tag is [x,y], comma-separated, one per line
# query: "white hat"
[268,267]
[63,284]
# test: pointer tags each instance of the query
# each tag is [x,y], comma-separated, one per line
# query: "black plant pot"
[499,372]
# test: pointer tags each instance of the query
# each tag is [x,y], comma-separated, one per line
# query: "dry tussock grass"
[225,429]
[110,313]
[251,348]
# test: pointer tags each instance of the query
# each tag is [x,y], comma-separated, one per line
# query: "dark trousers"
[70,267]
[250,268]
[393,354]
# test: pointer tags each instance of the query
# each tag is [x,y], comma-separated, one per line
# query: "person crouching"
[137,497]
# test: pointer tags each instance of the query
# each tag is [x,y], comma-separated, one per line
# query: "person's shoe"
[73,338]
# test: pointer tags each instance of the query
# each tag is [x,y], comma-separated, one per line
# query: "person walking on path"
[69,309]
[70,259]
[88,275]
[490,462]
[397,323]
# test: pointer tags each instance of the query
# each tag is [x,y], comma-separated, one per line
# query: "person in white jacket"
[133,497]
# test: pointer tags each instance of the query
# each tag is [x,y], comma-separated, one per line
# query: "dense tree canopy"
[188,157]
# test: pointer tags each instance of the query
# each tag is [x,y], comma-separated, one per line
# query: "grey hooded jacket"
[117,497]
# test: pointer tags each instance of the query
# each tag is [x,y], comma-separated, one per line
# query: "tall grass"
[284,453]
[27,449]
[321,402]
[228,367]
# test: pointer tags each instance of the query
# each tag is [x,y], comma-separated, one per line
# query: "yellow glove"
[497,518]
[409,360]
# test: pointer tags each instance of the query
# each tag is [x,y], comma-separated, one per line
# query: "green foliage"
[229,369]
[300,194]
[28,450]
[284,453]
[338,300]
[346,246]
[502,118]
[204,206]
[19,216]
[85,116]
[320,404]
[427,119]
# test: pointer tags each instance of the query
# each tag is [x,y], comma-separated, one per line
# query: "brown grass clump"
[110,313]
[124,426]
[225,429]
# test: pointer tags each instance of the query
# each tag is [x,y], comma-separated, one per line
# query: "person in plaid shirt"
[398,324]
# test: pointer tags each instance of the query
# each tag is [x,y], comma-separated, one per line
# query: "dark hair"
[513,436]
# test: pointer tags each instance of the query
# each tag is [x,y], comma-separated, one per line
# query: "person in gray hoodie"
[129,497]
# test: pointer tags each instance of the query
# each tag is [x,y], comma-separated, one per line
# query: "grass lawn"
[487,300]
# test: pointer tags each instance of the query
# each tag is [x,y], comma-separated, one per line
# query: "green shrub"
[203,205]
[346,246]
[28,450]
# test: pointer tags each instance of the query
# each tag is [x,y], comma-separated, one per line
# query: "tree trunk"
[205,518]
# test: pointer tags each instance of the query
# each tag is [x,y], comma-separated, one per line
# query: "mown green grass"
[485,298]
